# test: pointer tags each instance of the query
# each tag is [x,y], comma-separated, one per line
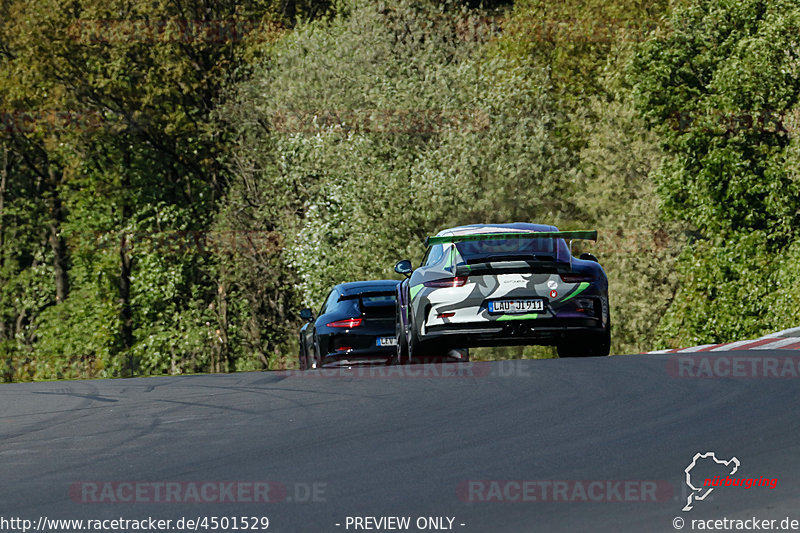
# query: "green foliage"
[387,128]
[587,47]
[636,246]
[170,198]
[106,116]
[705,86]
[718,87]
[726,292]
[62,353]
[576,38]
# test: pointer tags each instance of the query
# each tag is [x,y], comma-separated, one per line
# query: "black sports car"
[354,326]
[503,284]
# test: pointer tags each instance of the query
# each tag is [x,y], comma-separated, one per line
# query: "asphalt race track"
[329,445]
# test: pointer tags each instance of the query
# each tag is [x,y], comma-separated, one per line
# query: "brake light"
[576,278]
[347,323]
[446,315]
[457,281]
[344,348]
[584,305]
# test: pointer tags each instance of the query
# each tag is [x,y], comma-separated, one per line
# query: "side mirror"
[588,257]
[307,314]
[403,267]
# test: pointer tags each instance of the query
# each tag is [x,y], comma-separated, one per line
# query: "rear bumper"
[513,332]
[362,356]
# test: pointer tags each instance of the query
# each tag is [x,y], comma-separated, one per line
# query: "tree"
[362,136]
[717,88]
[109,125]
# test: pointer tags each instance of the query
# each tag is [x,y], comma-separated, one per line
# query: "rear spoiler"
[571,235]
[358,295]
[588,235]
[360,298]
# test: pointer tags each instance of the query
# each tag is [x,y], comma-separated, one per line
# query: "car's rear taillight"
[576,277]
[457,281]
[347,323]
[584,305]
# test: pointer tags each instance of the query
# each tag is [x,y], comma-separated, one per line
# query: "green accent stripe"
[582,287]
[517,317]
[415,289]
[585,234]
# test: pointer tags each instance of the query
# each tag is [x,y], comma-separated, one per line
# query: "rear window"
[378,301]
[371,304]
[376,305]
[434,255]
[511,249]
[330,301]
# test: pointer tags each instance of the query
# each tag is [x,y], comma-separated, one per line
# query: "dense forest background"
[178,179]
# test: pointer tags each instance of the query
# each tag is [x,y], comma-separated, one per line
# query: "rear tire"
[317,362]
[419,351]
[303,358]
[401,356]
[594,345]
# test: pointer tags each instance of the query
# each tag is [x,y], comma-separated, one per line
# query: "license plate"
[387,341]
[516,306]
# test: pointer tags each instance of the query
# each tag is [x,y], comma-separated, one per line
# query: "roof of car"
[357,287]
[496,228]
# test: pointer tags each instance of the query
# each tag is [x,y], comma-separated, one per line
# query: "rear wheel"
[309,360]
[401,356]
[594,345]
[303,358]
[316,361]
[419,351]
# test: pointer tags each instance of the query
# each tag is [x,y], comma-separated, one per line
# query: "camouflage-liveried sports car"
[502,284]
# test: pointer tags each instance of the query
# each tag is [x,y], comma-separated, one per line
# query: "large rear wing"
[588,235]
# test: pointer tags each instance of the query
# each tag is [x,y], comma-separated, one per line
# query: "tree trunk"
[290,11]
[225,360]
[125,315]
[3,181]
[125,262]
[57,244]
